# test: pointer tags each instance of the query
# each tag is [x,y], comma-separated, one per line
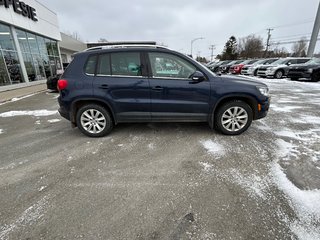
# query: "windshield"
[313,61]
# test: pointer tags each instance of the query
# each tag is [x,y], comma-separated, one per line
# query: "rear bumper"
[62,111]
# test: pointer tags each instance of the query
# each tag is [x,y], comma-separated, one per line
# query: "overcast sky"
[176,22]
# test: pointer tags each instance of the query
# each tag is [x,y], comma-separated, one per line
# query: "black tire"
[222,112]
[105,124]
[255,73]
[294,78]
[278,74]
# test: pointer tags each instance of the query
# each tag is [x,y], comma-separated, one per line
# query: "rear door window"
[104,67]
[126,64]
[302,61]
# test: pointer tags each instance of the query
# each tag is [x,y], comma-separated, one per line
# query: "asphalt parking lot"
[162,181]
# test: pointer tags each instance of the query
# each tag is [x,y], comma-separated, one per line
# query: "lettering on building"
[20,8]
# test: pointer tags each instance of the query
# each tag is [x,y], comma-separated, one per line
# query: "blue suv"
[105,86]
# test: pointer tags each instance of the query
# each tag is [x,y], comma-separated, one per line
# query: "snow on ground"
[304,202]
[54,120]
[288,144]
[36,113]
[213,148]
[1,131]
[30,216]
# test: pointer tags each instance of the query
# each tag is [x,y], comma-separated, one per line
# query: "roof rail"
[125,46]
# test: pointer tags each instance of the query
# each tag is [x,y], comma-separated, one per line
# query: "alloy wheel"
[93,121]
[234,119]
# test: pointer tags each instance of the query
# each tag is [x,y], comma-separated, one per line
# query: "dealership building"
[29,43]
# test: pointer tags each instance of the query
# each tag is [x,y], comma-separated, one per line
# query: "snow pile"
[213,148]
[304,202]
[1,131]
[36,113]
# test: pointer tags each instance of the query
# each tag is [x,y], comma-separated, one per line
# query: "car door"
[174,95]
[121,80]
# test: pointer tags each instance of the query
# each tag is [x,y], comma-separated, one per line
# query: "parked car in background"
[225,67]
[215,67]
[236,69]
[252,69]
[279,68]
[309,70]
[53,80]
[101,88]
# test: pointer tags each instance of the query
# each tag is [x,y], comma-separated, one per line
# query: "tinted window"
[170,66]
[126,64]
[91,65]
[104,65]
[302,60]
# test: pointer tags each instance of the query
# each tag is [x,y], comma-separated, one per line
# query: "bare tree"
[74,35]
[102,40]
[277,51]
[250,47]
[299,48]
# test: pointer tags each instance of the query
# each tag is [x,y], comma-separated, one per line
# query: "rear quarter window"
[90,66]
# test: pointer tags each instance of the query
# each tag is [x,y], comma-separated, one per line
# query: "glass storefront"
[40,56]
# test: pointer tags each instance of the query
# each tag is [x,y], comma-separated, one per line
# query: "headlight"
[270,68]
[310,70]
[264,91]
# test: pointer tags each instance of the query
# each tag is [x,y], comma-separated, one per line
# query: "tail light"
[62,84]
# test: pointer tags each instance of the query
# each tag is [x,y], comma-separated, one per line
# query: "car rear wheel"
[278,74]
[94,120]
[233,118]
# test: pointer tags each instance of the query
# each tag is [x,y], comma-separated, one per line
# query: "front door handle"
[157,88]
[104,86]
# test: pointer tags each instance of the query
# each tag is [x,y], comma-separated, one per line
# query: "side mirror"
[289,63]
[197,76]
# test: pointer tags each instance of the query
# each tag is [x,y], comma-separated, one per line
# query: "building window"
[10,68]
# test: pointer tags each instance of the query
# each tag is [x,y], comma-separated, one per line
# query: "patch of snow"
[207,166]
[304,202]
[257,186]
[36,113]
[213,148]
[54,120]
[42,188]
[120,145]
[30,216]
[1,131]
[311,119]
[285,149]
[288,133]
[38,122]
[283,108]
[151,146]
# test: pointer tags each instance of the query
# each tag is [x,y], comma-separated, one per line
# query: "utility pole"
[268,41]
[212,47]
[314,35]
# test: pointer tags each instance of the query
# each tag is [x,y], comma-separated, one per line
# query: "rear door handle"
[104,86]
[157,88]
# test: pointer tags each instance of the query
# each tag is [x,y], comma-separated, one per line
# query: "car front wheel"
[94,120]
[233,118]
[279,74]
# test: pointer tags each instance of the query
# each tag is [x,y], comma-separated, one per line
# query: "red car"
[236,69]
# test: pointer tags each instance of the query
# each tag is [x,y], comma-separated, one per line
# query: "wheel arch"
[77,104]
[251,101]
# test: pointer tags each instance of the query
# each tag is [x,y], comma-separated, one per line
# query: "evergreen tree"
[230,49]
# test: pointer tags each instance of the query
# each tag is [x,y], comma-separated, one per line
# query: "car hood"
[242,80]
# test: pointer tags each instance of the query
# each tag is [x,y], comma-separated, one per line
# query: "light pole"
[192,41]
